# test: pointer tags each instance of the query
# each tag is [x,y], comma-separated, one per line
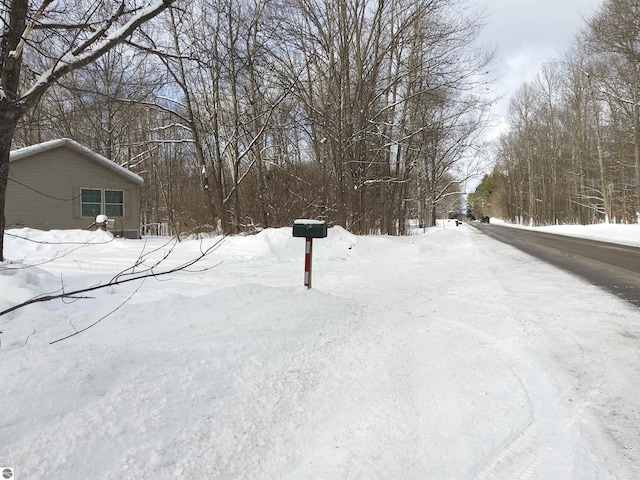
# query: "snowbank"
[625,234]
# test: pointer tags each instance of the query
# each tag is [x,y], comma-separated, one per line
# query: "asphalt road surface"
[615,268]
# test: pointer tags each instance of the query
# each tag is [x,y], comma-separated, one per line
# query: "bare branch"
[77,59]
[126,276]
[78,332]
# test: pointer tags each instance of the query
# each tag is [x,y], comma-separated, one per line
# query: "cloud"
[528,33]
[539,22]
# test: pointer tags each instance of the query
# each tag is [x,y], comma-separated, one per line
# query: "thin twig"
[78,332]
[34,331]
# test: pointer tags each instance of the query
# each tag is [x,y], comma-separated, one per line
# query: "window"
[95,202]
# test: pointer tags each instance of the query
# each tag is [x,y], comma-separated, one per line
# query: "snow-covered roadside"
[443,355]
[625,234]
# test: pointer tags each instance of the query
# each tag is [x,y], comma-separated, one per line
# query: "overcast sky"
[527,33]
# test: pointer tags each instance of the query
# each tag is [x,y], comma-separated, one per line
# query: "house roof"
[42,147]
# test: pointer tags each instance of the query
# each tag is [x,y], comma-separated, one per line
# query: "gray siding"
[43,192]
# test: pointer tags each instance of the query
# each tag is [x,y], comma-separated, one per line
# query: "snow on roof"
[42,147]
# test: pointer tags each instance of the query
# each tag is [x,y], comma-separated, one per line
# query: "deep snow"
[442,355]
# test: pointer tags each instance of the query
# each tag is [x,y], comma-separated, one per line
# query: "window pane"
[114,211]
[91,196]
[90,209]
[113,196]
[114,203]
[91,201]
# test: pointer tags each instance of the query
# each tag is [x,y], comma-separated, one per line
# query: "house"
[60,184]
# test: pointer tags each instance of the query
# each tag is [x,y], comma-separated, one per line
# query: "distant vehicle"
[485,219]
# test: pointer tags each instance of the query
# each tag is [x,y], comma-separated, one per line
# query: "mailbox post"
[309,229]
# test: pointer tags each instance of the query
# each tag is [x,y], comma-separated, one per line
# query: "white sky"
[528,33]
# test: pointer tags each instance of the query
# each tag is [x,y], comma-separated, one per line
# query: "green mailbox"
[310,228]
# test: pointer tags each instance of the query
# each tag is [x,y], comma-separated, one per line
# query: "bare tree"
[613,35]
[375,74]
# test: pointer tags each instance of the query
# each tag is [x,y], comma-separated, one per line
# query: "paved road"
[615,268]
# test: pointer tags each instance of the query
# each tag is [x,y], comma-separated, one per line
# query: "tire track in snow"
[518,443]
[525,453]
[550,440]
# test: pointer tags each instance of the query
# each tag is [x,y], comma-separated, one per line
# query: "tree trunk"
[8,122]
[192,123]
[601,166]
[10,111]
[7,127]
[636,152]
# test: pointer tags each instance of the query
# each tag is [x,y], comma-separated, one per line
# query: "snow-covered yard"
[442,355]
